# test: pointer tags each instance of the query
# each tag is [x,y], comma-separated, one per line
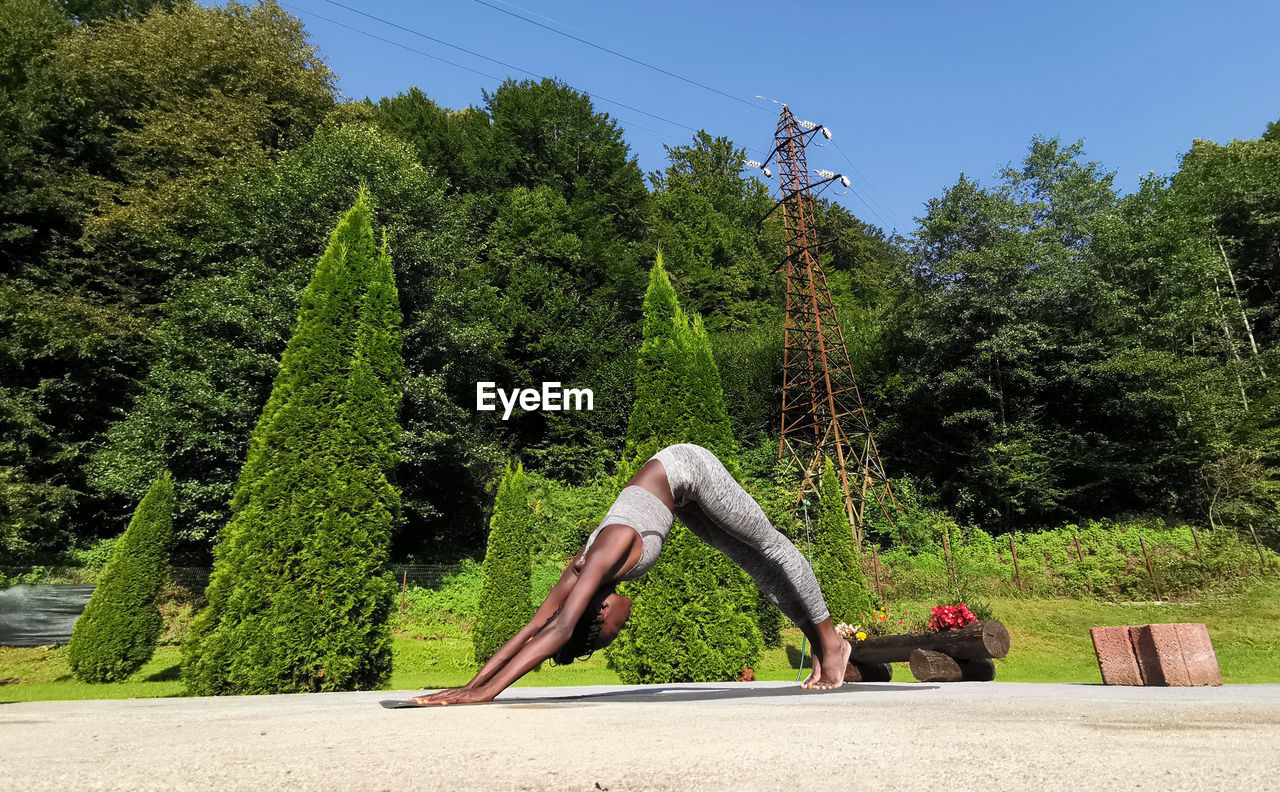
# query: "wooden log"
[929,666]
[979,640]
[865,672]
[1195,537]
[980,670]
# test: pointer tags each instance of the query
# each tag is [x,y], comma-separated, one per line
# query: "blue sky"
[914,92]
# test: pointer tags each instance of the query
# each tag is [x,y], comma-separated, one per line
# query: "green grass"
[1050,643]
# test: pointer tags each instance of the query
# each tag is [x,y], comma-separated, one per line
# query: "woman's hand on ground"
[454,696]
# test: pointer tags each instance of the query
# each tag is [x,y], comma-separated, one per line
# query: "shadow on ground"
[662,695]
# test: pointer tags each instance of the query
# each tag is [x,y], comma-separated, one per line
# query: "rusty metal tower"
[822,412]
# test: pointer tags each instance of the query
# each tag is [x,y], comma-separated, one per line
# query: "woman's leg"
[724,515]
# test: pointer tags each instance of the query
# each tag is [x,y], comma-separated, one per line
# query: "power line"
[883,203]
[389,41]
[637,61]
[505,64]
[630,124]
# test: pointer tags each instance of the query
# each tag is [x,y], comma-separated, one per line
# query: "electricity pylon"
[822,412]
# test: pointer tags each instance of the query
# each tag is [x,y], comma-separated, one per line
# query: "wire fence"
[196,578]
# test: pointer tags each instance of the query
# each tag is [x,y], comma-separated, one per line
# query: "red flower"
[950,617]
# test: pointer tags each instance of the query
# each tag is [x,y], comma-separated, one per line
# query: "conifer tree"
[693,616]
[300,596]
[835,562]
[118,631]
[659,416]
[708,416]
[506,600]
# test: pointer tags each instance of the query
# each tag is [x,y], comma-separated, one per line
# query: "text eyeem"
[551,397]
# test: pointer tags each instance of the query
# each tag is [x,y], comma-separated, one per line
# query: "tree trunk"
[1239,302]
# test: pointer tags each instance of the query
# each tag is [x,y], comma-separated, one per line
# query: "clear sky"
[914,92]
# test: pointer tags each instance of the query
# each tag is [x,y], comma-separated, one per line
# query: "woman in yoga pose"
[583,613]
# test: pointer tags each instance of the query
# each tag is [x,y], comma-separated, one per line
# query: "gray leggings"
[720,512]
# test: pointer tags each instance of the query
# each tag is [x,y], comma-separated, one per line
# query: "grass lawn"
[1050,643]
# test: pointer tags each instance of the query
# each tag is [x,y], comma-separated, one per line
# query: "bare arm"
[551,626]
[555,598]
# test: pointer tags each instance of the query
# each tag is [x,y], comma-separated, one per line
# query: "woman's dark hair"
[585,638]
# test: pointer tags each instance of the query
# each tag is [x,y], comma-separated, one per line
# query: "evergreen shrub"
[835,560]
[506,600]
[300,596]
[120,626]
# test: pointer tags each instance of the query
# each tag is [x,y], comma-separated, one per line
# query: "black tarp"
[41,614]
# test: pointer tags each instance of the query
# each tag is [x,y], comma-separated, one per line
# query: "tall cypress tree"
[659,416]
[506,600]
[118,631]
[836,565]
[300,596]
[694,614]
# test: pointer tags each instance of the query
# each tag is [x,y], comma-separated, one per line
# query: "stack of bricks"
[1156,654]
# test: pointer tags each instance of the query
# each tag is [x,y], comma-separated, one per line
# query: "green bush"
[1109,564]
[695,614]
[835,559]
[121,624]
[506,600]
[686,624]
[300,596]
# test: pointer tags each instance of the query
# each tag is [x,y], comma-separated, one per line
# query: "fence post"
[875,564]
[1080,557]
[1195,537]
[1262,560]
[404,590]
[1150,569]
[946,549]
[1017,573]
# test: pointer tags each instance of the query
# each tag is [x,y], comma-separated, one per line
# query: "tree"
[300,596]
[118,631]
[218,340]
[116,135]
[707,222]
[506,600]
[835,564]
[694,617]
[659,414]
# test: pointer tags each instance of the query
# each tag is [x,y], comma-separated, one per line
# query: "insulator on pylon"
[826,174]
[752,164]
[826,133]
[844,180]
[806,124]
[768,174]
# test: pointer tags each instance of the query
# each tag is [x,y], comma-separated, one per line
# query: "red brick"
[1116,660]
[1198,654]
[1159,655]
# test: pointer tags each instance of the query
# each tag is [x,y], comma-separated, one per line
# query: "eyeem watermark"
[551,397]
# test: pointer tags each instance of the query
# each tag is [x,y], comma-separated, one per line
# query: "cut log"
[981,670]
[861,672]
[977,641]
[928,666]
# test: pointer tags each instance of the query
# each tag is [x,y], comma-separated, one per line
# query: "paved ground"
[756,736]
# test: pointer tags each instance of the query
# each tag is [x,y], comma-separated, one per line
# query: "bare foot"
[811,682]
[834,664]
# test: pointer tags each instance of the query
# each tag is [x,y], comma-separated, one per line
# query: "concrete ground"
[737,736]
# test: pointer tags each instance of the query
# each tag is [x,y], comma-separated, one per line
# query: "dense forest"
[1041,349]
